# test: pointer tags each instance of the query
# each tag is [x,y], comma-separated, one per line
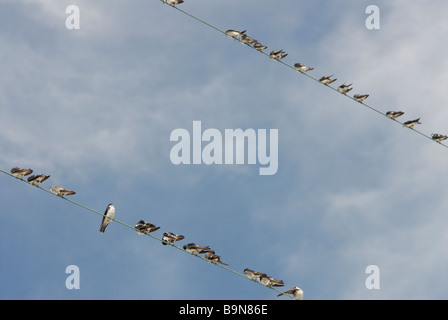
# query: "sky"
[95,107]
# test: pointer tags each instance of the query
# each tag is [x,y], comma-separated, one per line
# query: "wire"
[306,74]
[147,234]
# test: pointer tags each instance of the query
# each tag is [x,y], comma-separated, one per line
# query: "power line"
[306,74]
[134,229]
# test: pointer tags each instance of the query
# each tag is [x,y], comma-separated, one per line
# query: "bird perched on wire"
[170,238]
[269,281]
[61,191]
[253,275]
[360,97]
[195,249]
[108,215]
[277,54]
[296,292]
[326,80]
[231,33]
[394,114]
[438,137]
[259,46]
[214,258]
[344,88]
[173,2]
[143,227]
[411,123]
[302,68]
[245,39]
[20,173]
[37,179]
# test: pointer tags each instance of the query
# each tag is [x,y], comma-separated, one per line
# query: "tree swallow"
[344,88]
[411,123]
[61,191]
[245,39]
[277,55]
[259,46]
[326,80]
[109,214]
[394,114]
[302,68]
[214,258]
[360,97]
[296,292]
[170,238]
[20,173]
[438,137]
[143,227]
[173,2]
[253,275]
[37,179]
[269,281]
[234,33]
[195,249]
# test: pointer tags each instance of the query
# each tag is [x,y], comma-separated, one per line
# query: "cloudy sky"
[95,107]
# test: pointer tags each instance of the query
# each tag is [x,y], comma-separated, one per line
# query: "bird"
[259,46]
[360,97]
[61,191]
[170,238]
[143,227]
[234,33]
[109,214]
[173,2]
[326,80]
[438,137]
[277,55]
[394,114]
[214,258]
[37,179]
[193,248]
[269,281]
[411,123]
[344,88]
[253,275]
[302,68]
[20,173]
[296,292]
[245,39]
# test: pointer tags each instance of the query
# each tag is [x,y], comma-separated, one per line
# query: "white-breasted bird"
[253,275]
[296,292]
[438,137]
[170,238]
[143,227]
[411,123]
[245,39]
[231,33]
[360,97]
[277,54]
[394,114]
[259,46]
[344,88]
[173,2]
[37,179]
[20,173]
[269,281]
[193,248]
[109,214]
[302,68]
[326,80]
[214,258]
[61,191]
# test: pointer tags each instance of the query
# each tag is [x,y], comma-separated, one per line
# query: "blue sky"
[95,107]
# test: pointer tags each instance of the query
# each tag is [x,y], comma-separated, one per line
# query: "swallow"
[302,68]
[109,214]
[195,249]
[253,275]
[61,191]
[173,2]
[438,137]
[344,88]
[296,292]
[411,123]
[326,80]
[360,97]
[234,33]
[394,114]
[37,179]
[277,55]
[20,173]
[245,39]
[259,46]
[143,227]
[170,238]
[270,281]
[214,258]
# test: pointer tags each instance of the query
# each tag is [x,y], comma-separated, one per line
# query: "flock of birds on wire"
[143,227]
[325,80]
